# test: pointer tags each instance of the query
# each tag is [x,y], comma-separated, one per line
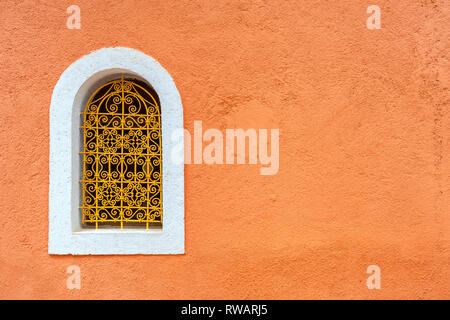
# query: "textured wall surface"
[364,147]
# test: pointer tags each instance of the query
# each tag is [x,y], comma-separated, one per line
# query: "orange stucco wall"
[364,147]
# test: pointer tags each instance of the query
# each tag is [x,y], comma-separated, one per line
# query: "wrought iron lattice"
[121,181]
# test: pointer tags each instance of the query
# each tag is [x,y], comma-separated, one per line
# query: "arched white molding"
[70,95]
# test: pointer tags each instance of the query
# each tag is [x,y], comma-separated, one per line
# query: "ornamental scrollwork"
[121,156]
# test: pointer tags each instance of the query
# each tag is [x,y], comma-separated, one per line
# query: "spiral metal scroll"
[121,182]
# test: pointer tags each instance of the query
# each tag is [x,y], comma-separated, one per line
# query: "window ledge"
[118,231]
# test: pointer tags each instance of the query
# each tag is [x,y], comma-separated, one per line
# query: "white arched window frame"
[70,95]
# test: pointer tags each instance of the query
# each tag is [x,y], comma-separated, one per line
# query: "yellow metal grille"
[121,182]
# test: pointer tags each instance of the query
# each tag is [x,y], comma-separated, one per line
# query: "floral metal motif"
[122,165]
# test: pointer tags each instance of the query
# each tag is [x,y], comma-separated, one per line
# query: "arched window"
[121,180]
[115,187]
